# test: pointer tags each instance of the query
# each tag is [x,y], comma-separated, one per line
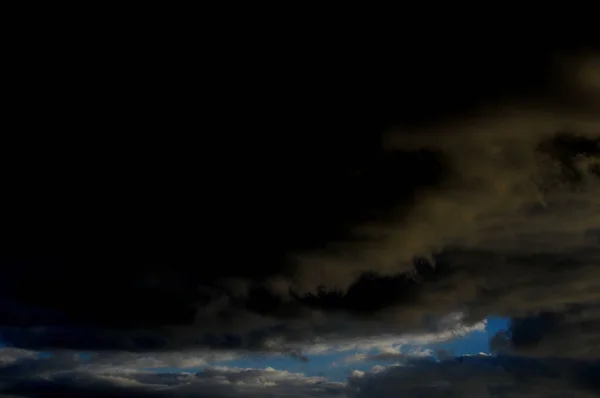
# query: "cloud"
[511,230]
[393,342]
[460,377]
[515,179]
[63,378]
[478,376]
[573,332]
[507,189]
[149,360]
[387,355]
[9,355]
[492,213]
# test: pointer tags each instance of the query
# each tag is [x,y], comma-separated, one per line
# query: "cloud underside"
[461,377]
[513,229]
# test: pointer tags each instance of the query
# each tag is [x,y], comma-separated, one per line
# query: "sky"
[335,363]
[336,217]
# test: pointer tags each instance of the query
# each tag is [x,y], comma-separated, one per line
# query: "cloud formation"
[465,376]
[478,376]
[361,226]
[511,231]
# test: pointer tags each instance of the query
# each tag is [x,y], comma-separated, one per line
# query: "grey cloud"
[483,376]
[493,213]
[475,282]
[502,194]
[53,378]
[10,355]
[510,228]
[479,377]
[172,359]
[573,332]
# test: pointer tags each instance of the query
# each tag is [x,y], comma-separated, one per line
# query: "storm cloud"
[317,214]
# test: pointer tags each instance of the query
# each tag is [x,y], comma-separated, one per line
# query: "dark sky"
[213,194]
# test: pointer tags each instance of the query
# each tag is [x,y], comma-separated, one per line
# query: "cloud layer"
[465,376]
[347,232]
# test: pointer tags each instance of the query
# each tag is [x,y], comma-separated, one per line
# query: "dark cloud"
[66,377]
[461,377]
[574,331]
[479,376]
[324,203]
